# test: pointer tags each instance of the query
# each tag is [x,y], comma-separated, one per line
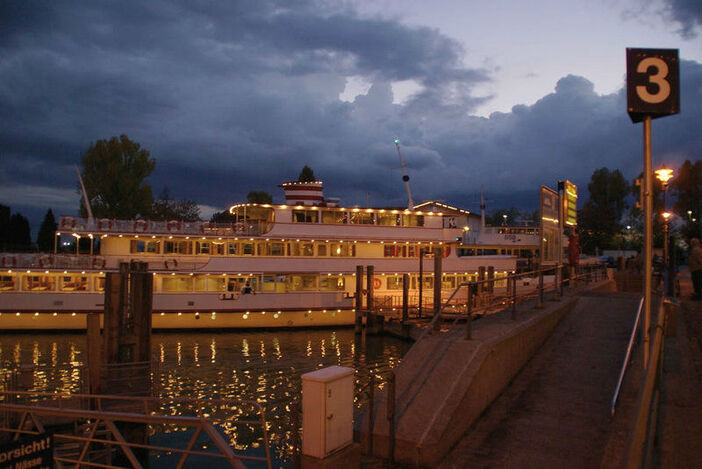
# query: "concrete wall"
[445,382]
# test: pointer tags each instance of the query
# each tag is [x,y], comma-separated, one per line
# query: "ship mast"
[405,177]
[85,196]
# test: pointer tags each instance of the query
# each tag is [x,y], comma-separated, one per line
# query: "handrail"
[514,276]
[641,437]
[145,409]
[476,282]
[625,365]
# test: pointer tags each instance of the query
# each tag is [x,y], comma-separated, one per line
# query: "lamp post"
[664,175]
[667,283]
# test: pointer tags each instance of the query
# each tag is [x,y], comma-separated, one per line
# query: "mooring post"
[94,352]
[369,291]
[540,296]
[482,288]
[514,297]
[405,297]
[469,314]
[437,286]
[421,280]
[371,412]
[391,416]
[358,324]
[556,290]
[491,278]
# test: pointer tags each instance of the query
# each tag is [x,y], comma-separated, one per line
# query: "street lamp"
[664,175]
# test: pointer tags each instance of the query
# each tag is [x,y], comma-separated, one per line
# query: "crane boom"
[405,177]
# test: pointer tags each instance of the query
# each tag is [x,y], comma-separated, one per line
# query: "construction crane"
[405,177]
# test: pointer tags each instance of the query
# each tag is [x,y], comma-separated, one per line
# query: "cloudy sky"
[236,96]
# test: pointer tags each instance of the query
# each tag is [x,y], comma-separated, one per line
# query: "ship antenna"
[85,196]
[405,177]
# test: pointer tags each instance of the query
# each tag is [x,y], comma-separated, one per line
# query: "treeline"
[612,218]
[15,232]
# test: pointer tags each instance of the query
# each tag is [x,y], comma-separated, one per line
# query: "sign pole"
[648,236]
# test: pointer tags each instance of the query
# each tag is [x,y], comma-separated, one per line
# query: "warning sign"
[31,452]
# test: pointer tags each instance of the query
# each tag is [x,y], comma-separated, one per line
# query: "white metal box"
[327,410]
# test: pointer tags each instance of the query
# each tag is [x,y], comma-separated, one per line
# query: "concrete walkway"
[556,411]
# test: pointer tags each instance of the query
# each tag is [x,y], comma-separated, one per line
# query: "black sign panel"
[36,452]
[652,83]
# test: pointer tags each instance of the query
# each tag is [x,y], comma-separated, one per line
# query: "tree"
[222,217]
[4,226]
[114,174]
[165,208]
[498,218]
[259,197]
[306,175]
[45,238]
[599,221]
[687,186]
[18,238]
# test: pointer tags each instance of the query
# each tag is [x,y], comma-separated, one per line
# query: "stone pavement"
[680,420]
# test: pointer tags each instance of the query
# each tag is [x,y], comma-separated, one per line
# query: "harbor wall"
[445,382]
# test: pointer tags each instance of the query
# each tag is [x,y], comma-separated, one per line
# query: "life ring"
[105,224]
[173,225]
[140,225]
[377,283]
[46,261]
[68,223]
[9,261]
[98,263]
[171,264]
[364,292]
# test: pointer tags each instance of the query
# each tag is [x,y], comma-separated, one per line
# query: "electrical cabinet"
[327,410]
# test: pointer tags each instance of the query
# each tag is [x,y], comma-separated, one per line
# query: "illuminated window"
[388,219]
[74,283]
[361,218]
[301,282]
[331,283]
[7,282]
[233,248]
[148,247]
[100,283]
[177,283]
[394,282]
[210,283]
[177,247]
[305,216]
[334,216]
[39,283]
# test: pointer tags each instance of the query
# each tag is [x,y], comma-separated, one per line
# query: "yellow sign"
[570,204]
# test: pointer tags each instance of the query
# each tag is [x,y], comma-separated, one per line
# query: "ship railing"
[86,427]
[169,227]
[42,261]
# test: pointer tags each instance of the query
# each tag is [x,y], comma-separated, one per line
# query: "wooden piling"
[405,297]
[359,299]
[437,285]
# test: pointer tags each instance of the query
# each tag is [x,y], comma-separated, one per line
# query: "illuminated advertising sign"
[570,204]
[549,228]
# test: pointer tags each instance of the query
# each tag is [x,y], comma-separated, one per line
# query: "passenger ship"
[287,265]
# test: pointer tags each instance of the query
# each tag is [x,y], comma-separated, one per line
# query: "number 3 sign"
[652,87]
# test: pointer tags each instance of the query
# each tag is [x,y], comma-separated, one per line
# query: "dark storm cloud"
[688,13]
[231,97]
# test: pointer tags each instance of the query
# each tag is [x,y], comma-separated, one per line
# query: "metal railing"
[513,296]
[627,357]
[171,227]
[87,412]
[641,439]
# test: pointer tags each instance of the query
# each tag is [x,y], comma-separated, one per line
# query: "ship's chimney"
[303,193]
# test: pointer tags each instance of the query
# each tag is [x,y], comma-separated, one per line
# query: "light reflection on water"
[263,365]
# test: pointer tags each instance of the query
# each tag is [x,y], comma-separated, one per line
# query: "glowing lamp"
[664,175]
